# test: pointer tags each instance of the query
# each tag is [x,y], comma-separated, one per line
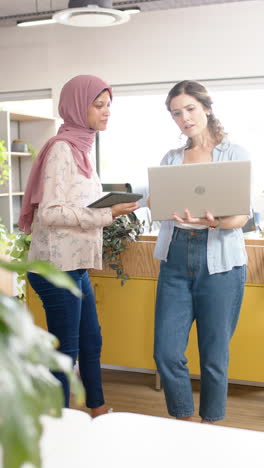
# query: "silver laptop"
[221,187]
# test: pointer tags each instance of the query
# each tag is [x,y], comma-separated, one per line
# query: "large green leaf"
[45,269]
[27,387]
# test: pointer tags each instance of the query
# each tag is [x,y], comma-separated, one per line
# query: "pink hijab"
[76,95]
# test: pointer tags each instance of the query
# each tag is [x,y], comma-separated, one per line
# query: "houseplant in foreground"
[27,388]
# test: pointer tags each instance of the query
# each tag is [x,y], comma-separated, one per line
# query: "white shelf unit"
[31,129]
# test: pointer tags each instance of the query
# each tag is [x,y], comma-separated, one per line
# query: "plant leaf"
[48,271]
[28,389]
[126,227]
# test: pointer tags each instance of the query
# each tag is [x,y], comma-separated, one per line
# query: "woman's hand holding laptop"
[208,220]
[225,222]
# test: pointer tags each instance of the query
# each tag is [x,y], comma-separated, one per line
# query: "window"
[141,130]
[39,107]
[239,109]
[33,102]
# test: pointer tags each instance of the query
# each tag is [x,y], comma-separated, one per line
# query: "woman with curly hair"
[202,272]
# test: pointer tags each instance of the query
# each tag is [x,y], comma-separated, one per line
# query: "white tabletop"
[126,440]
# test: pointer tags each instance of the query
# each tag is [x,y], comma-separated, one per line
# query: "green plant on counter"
[28,389]
[4,167]
[124,228]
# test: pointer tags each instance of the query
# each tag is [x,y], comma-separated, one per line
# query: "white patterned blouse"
[65,232]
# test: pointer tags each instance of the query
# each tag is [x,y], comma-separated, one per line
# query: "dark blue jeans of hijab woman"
[74,322]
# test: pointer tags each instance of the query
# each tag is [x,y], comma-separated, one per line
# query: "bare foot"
[188,418]
[98,411]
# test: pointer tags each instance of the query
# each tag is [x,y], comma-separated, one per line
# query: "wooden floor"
[135,393]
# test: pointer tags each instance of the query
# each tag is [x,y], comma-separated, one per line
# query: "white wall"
[225,40]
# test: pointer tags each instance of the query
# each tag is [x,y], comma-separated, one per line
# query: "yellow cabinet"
[126,315]
[247,344]
[35,307]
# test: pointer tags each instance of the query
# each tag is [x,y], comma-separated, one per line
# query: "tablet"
[114,198]
[223,188]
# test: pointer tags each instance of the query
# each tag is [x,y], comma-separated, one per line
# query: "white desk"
[126,440]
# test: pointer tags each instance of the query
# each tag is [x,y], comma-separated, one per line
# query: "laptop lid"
[221,187]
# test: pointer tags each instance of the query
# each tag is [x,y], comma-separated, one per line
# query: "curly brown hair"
[200,93]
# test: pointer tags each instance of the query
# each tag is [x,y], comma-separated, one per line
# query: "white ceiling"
[28,7]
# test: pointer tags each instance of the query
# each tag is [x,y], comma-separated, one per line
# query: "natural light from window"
[141,131]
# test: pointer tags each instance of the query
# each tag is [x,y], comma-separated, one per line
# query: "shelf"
[13,153]
[26,128]
[24,117]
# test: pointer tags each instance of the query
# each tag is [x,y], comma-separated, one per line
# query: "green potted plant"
[116,238]
[27,353]
[28,389]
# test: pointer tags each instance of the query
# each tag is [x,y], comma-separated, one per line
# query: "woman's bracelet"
[218,224]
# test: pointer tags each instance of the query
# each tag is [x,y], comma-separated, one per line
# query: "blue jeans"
[74,322]
[186,293]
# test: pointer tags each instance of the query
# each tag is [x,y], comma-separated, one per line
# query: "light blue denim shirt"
[225,247]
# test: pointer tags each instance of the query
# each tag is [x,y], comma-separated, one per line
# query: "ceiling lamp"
[91,13]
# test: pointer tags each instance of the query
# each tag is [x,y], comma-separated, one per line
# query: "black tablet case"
[114,198]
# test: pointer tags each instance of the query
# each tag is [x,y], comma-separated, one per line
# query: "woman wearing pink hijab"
[66,233]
